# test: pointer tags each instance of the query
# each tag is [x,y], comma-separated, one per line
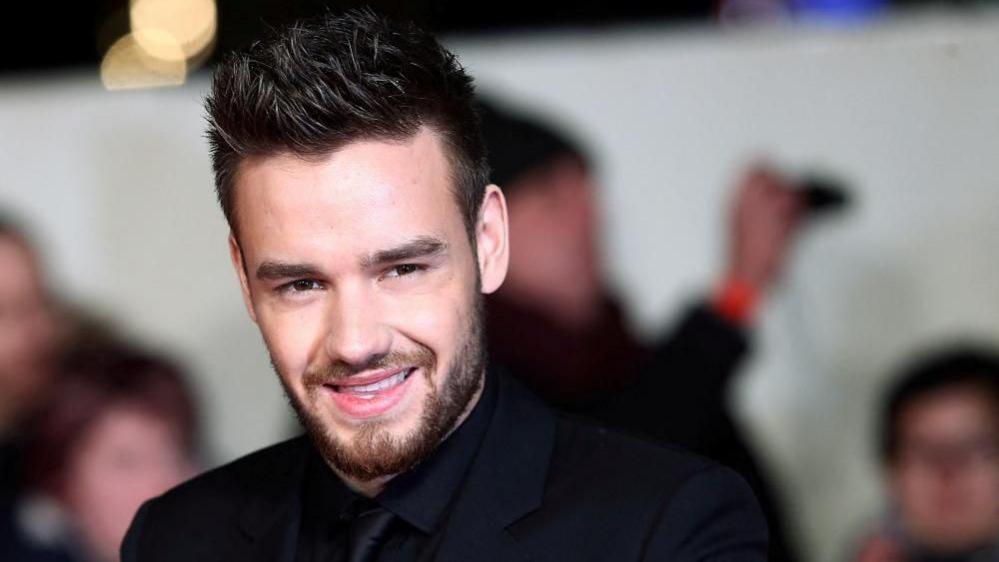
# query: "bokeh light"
[192,23]
[129,65]
[168,38]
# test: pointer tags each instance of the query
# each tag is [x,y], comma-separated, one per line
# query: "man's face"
[360,274]
[553,230]
[945,478]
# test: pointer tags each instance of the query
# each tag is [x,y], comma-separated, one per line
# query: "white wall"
[119,186]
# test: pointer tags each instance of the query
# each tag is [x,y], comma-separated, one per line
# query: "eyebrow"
[272,271]
[420,247]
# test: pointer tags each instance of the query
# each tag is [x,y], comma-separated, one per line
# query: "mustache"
[338,370]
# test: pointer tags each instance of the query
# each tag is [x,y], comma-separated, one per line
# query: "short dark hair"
[520,143]
[11,227]
[321,84]
[955,365]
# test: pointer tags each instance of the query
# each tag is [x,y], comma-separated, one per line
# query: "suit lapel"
[505,482]
[270,519]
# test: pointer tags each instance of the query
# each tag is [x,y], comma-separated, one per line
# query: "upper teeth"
[380,385]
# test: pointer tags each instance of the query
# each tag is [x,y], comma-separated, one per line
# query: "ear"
[236,255]
[492,239]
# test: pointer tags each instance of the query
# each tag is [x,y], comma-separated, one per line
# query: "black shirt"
[420,498]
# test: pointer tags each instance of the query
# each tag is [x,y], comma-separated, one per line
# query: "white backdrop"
[119,189]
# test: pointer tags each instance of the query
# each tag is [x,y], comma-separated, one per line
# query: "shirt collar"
[421,496]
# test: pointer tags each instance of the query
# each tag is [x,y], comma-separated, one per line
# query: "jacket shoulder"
[649,500]
[232,481]
[591,451]
[205,517]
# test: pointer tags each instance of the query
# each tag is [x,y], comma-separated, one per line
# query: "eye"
[404,269]
[301,286]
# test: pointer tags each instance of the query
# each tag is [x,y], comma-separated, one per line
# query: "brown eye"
[404,269]
[302,285]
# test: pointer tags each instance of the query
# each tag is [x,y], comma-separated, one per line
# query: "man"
[29,337]
[557,325]
[940,455]
[350,167]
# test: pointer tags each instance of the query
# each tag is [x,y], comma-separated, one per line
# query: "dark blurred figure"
[940,455]
[119,428]
[558,327]
[29,337]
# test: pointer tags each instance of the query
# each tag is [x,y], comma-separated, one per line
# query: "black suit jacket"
[676,391]
[542,487]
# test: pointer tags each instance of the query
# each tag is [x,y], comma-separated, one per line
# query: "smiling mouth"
[371,388]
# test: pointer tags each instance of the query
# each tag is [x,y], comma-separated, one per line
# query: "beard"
[375,452]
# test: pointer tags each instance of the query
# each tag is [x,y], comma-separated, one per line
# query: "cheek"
[108,497]
[105,497]
[436,321]
[425,319]
[293,338]
[913,489]
[981,486]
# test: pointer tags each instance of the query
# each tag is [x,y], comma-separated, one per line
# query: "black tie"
[368,532]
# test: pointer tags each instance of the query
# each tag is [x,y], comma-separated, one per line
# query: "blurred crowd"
[92,425]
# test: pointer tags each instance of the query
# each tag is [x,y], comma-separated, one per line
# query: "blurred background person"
[940,455]
[559,328]
[120,429]
[29,338]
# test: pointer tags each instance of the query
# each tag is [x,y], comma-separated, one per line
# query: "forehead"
[128,422]
[366,194]
[953,410]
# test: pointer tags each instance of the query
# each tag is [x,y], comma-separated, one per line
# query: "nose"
[357,334]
